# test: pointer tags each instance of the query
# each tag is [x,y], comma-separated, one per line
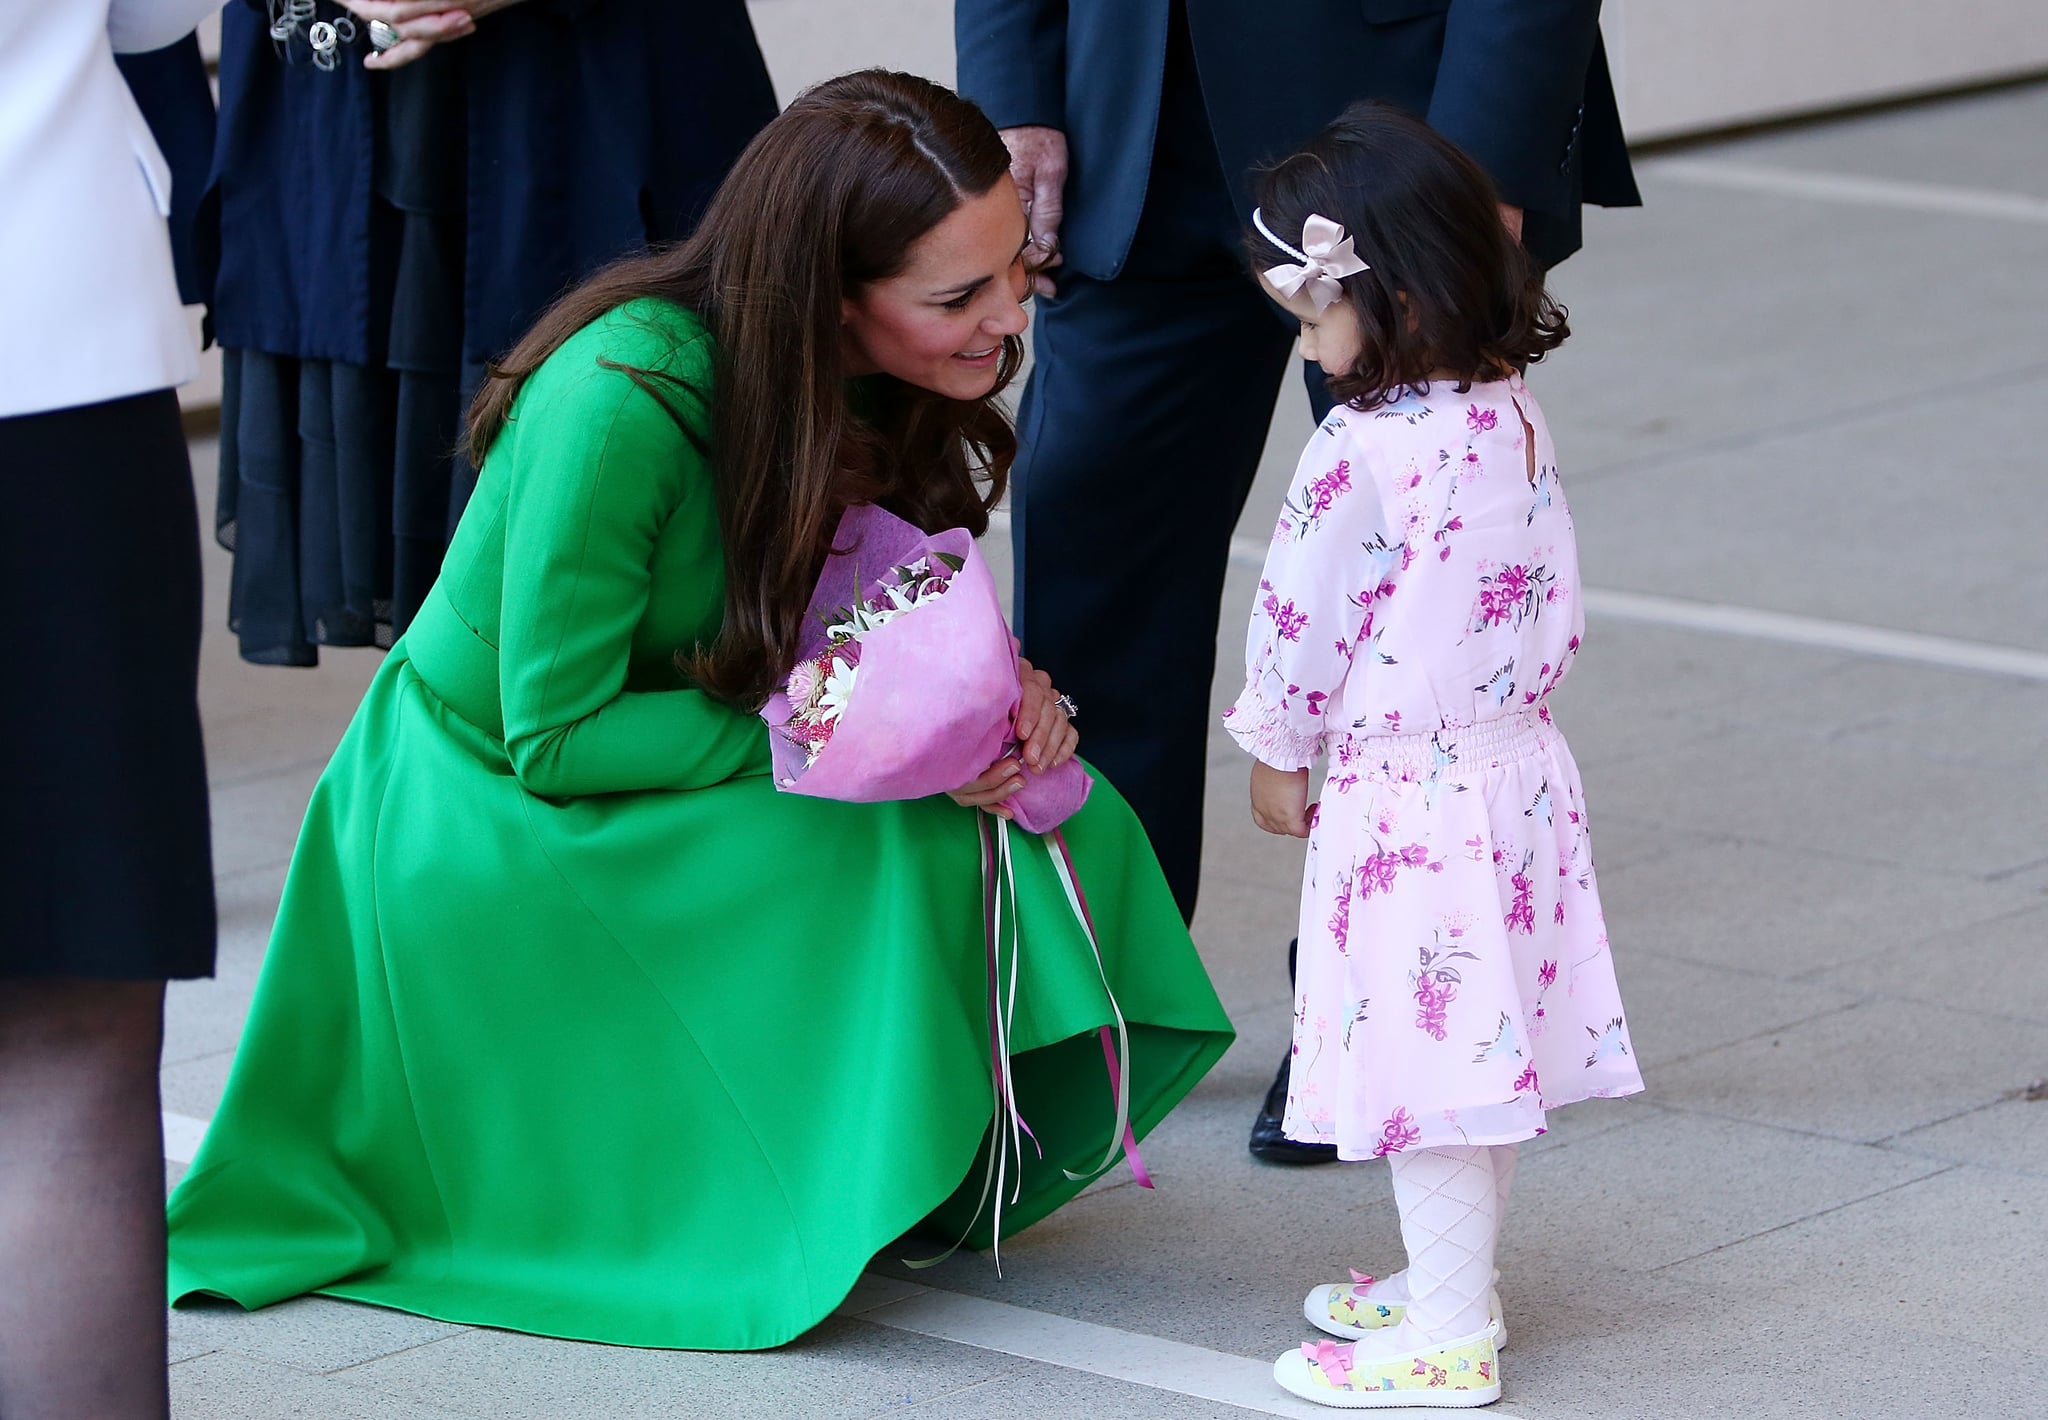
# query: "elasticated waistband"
[1450,750]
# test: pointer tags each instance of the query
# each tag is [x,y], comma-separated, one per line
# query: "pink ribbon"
[1332,1359]
[1326,258]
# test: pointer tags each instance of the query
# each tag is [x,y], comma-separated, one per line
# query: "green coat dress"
[571,1022]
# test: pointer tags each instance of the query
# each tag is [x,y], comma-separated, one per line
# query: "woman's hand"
[421,25]
[1004,778]
[1046,736]
[1280,800]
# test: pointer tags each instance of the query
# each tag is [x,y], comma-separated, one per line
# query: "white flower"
[838,691]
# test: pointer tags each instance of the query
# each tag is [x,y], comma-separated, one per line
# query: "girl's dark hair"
[828,197]
[1449,290]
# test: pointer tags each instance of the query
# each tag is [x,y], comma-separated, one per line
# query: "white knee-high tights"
[1452,1201]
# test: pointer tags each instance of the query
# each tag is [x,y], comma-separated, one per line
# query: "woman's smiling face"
[940,322]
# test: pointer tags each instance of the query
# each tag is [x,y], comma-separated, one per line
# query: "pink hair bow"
[1326,258]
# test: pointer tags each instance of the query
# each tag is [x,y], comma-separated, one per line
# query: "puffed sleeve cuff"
[1268,733]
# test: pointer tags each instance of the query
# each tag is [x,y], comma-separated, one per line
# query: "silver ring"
[383,36]
[1065,703]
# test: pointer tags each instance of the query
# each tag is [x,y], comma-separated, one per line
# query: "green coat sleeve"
[598,467]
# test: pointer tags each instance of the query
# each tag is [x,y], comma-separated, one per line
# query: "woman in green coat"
[570,1022]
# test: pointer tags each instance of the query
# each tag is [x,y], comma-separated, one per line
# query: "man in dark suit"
[1134,127]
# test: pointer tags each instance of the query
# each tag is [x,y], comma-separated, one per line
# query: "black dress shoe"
[1274,1147]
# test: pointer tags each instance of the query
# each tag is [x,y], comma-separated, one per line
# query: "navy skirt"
[106,860]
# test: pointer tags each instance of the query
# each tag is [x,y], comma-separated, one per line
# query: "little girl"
[1419,603]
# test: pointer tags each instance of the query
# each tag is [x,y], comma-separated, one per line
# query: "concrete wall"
[1683,66]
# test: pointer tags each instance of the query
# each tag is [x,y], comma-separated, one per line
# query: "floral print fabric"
[1419,602]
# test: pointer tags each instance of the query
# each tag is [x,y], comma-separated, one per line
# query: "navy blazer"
[593,128]
[1522,85]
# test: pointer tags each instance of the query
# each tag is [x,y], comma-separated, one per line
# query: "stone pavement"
[1807,380]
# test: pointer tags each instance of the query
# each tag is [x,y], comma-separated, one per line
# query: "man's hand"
[1511,218]
[1280,800]
[1038,165]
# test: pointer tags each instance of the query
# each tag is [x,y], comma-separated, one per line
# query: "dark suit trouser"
[1141,429]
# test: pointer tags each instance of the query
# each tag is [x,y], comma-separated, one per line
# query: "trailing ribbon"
[1116,1054]
[1003,1175]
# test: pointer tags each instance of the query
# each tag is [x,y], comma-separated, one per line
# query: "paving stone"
[1864,1073]
[841,1369]
[1894,547]
[2011,1134]
[256,822]
[1039,1391]
[318,1334]
[1609,1200]
[1679,1009]
[805,41]
[193,1087]
[1959,1251]
[1785,911]
[1998,966]
[1668,308]
[1879,805]
[221,1385]
[1608,1343]
[1940,144]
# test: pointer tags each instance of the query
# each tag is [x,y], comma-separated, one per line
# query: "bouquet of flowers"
[906,681]
[906,686]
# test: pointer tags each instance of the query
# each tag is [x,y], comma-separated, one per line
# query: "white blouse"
[1423,574]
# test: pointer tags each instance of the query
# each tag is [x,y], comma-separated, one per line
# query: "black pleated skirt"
[106,860]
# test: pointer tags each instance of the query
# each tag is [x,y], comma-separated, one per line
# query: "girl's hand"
[1280,800]
[1004,778]
[1046,737]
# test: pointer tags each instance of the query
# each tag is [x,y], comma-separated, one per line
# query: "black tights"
[81,1200]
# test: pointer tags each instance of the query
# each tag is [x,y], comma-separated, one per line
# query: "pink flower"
[1433,997]
[1340,920]
[1315,701]
[1526,1081]
[1546,975]
[1521,916]
[1287,622]
[1480,420]
[802,681]
[1327,489]
[1376,874]
[1396,1134]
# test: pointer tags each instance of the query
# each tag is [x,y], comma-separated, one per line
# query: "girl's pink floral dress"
[1420,601]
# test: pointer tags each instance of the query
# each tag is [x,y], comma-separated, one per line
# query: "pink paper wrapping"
[937,687]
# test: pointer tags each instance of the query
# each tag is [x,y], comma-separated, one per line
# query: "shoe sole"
[1392,1399]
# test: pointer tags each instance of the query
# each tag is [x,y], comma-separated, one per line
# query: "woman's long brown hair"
[828,197]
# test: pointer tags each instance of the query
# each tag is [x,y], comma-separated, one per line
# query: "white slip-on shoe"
[1459,1374]
[1343,1309]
